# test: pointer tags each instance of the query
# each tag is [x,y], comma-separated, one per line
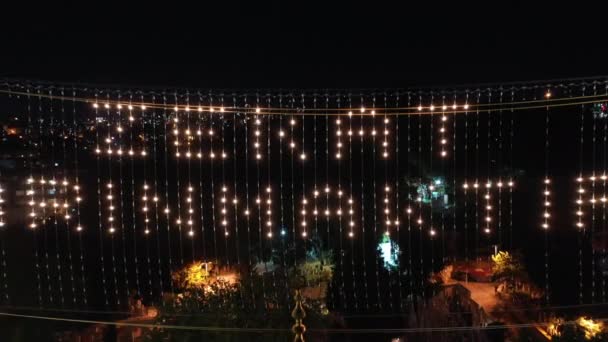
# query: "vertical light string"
[247,203]
[66,191]
[134,224]
[178,189]
[55,191]
[119,129]
[303,171]
[32,192]
[419,199]
[511,166]
[258,199]
[476,185]
[224,187]
[397,175]
[351,223]
[326,211]
[283,231]
[604,177]
[579,212]
[466,185]
[201,175]
[500,169]
[212,179]
[43,202]
[314,160]
[166,123]
[235,201]
[375,193]
[547,202]
[339,215]
[432,231]
[3,252]
[593,201]
[351,231]
[408,210]
[293,204]
[387,190]
[189,199]
[269,223]
[269,202]
[156,194]
[144,199]
[431,186]
[362,192]
[77,199]
[98,152]
[487,196]
[110,197]
[454,171]
[443,154]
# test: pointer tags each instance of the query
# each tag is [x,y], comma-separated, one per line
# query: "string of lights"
[351,232]
[363,232]
[78,200]
[199,133]
[32,203]
[181,94]
[110,197]
[128,129]
[604,177]
[55,204]
[133,208]
[99,207]
[547,202]
[178,222]
[167,210]
[121,201]
[593,201]
[579,213]
[65,183]
[156,206]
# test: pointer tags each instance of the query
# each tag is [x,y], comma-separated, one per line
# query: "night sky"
[301,45]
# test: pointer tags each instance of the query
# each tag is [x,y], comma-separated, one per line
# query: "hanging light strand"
[99,196]
[121,201]
[110,197]
[55,204]
[351,231]
[33,202]
[581,190]
[178,188]
[132,185]
[363,233]
[166,121]
[66,190]
[546,198]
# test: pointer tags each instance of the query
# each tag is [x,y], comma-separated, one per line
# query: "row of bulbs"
[258,110]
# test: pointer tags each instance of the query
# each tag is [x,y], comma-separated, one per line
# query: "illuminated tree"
[506,268]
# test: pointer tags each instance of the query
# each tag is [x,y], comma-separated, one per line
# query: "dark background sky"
[301,45]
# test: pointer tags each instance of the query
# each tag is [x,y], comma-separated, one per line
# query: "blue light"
[437,181]
[283,232]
